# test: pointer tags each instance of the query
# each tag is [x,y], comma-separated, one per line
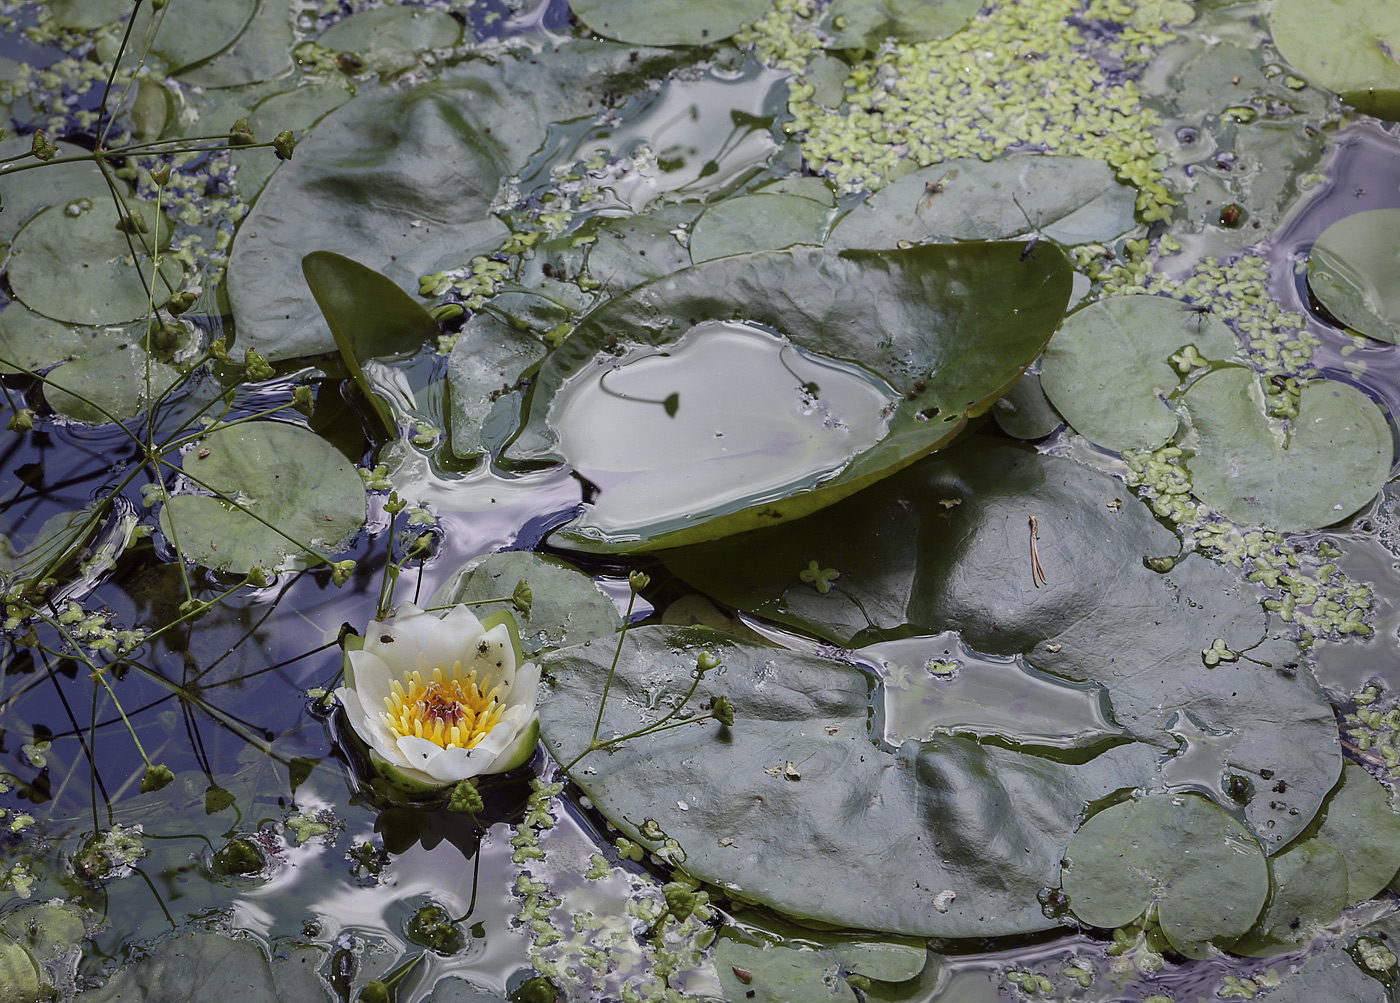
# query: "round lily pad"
[282,508]
[867,23]
[1024,412]
[795,807]
[78,185]
[757,223]
[489,356]
[1199,867]
[108,385]
[1309,892]
[663,397]
[387,39]
[1073,200]
[1361,824]
[1354,271]
[811,966]
[563,606]
[1316,470]
[1108,368]
[71,263]
[667,22]
[1347,46]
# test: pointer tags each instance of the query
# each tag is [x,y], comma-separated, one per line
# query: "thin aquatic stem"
[176,444]
[111,418]
[607,687]
[99,674]
[390,576]
[112,74]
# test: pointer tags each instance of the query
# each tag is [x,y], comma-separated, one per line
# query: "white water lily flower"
[442,699]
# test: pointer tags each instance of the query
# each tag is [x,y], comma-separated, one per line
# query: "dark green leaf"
[1361,825]
[1354,271]
[1348,46]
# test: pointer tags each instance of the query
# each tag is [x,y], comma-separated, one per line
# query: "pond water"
[891,656]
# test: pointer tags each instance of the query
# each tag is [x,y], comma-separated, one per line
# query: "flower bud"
[257,577]
[257,367]
[157,776]
[42,148]
[638,581]
[160,177]
[341,572]
[22,421]
[707,660]
[180,302]
[218,348]
[283,144]
[301,400]
[723,711]
[394,505]
[242,133]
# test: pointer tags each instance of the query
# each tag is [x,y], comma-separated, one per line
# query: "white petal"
[421,640]
[450,765]
[499,660]
[424,755]
[370,727]
[372,679]
[525,692]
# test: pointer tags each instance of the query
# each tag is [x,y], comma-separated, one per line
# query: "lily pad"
[194,966]
[486,362]
[811,967]
[406,179]
[1322,467]
[1353,269]
[1309,892]
[78,184]
[1361,824]
[631,250]
[193,31]
[379,33]
[667,22]
[566,606]
[946,545]
[21,978]
[1108,368]
[684,448]
[262,51]
[109,385]
[757,223]
[1073,200]
[30,342]
[297,110]
[1330,975]
[316,502]
[1347,46]
[1200,869]
[1024,412]
[77,267]
[865,24]
[797,808]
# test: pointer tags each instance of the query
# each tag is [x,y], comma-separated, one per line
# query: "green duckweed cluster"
[1373,728]
[1024,74]
[602,953]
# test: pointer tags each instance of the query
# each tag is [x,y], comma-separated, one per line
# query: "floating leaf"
[1073,200]
[1201,869]
[298,109]
[1325,465]
[1108,368]
[1347,46]
[102,386]
[78,185]
[1024,412]
[757,223]
[1361,824]
[946,545]
[30,341]
[318,501]
[1309,892]
[21,978]
[566,607]
[865,24]
[1330,975]
[489,358]
[379,35]
[940,332]
[631,250]
[454,989]
[192,967]
[795,807]
[1354,271]
[193,31]
[667,22]
[372,176]
[811,967]
[262,51]
[77,267]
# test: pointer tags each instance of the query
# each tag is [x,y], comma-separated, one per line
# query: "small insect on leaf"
[742,974]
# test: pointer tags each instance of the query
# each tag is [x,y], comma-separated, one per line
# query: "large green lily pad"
[374,35]
[75,266]
[1196,864]
[206,965]
[1354,271]
[797,808]
[193,31]
[882,357]
[405,181]
[79,184]
[1347,46]
[630,250]
[810,967]
[1073,200]
[1319,469]
[262,51]
[1108,369]
[946,545]
[318,501]
[667,22]
[108,385]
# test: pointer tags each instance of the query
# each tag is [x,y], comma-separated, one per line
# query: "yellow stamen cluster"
[452,710]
